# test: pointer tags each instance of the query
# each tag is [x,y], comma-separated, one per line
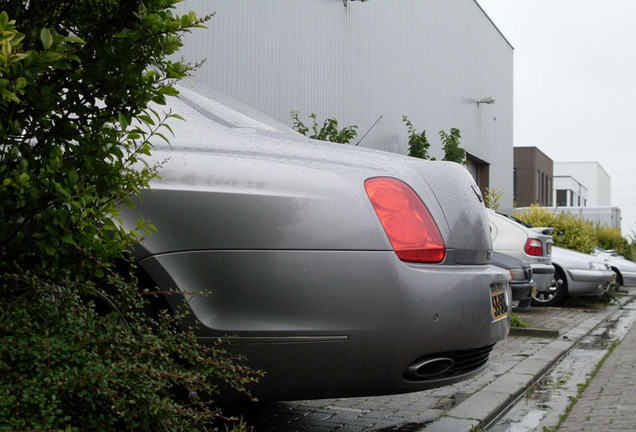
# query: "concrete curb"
[534,332]
[487,404]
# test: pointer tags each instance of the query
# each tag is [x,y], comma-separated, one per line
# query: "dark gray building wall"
[533,177]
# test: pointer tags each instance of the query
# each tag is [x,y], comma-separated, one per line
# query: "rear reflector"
[534,247]
[407,222]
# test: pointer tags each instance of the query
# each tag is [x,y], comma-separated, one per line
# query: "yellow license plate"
[499,305]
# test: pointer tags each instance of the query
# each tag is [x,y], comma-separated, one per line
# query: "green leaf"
[46,38]
[68,239]
[162,137]
[73,177]
[20,83]
[169,91]
[123,121]
[74,39]
[10,95]
[62,65]
[50,57]
[146,119]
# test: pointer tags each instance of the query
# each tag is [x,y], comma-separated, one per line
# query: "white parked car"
[625,269]
[576,274]
[533,245]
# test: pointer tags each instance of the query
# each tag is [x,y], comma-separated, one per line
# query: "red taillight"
[407,222]
[534,247]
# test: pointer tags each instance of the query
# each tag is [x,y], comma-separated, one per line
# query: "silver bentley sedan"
[337,270]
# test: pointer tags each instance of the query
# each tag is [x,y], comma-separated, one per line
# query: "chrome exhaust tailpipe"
[428,368]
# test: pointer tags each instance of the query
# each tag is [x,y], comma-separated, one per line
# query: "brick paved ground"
[608,402]
[412,412]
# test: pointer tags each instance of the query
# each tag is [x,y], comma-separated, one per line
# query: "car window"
[519,221]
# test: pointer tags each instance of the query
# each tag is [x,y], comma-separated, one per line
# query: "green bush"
[611,238]
[73,77]
[67,362]
[76,82]
[492,198]
[327,132]
[451,145]
[575,233]
[569,231]
[418,143]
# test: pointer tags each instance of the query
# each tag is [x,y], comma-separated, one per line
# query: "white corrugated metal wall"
[428,59]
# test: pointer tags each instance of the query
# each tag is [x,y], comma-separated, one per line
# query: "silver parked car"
[512,237]
[576,274]
[338,270]
[625,269]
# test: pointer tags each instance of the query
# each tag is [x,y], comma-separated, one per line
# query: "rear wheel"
[556,294]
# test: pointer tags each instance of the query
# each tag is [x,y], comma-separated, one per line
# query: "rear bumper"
[542,275]
[589,282]
[629,278]
[522,294]
[332,324]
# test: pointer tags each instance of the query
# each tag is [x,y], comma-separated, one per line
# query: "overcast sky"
[575,84]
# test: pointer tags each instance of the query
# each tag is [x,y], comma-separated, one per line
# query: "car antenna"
[376,122]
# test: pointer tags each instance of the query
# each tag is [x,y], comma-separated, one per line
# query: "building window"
[562,198]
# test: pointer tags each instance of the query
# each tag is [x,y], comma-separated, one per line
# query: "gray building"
[442,63]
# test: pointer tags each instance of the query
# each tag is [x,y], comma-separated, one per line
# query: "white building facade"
[592,176]
[569,192]
[368,64]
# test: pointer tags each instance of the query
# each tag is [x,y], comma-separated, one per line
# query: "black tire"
[619,278]
[556,294]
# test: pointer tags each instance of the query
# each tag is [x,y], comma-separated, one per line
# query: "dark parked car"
[521,283]
[338,270]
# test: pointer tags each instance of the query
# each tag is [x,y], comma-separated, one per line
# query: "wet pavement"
[607,403]
[515,373]
[544,404]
